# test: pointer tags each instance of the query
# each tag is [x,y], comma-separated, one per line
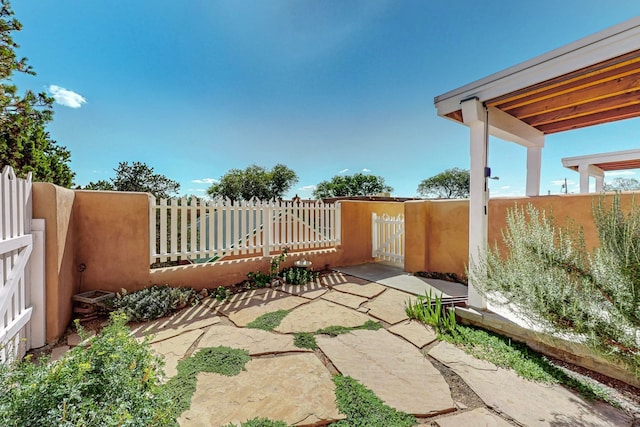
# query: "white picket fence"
[201,230]
[22,297]
[387,238]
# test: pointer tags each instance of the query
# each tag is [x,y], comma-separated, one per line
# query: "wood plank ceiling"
[601,93]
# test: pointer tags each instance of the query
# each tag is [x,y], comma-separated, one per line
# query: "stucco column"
[534,162]
[473,116]
[599,184]
[583,170]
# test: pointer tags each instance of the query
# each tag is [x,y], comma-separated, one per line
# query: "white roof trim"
[593,159]
[590,50]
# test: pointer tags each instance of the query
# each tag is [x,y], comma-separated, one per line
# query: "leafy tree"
[351,185]
[25,145]
[254,181]
[137,177]
[622,184]
[451,184]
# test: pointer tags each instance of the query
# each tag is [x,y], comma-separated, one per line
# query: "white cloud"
[505,187]
[196,190]
[366,170]
[344,171]
[619,173]
[66,97]
[307,188]
[205,181]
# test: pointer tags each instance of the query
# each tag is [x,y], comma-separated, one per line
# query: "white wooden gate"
[22,320]
[387,238]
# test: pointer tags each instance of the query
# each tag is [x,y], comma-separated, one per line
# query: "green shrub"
[549,276]
[298,276]
[153,302]
[222,294]
[113,381]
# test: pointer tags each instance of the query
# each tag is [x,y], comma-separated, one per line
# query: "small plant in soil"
[222,294]
[428,309]
[298,275]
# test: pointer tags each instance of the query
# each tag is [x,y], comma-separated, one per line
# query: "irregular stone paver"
[58,352]
[174,349]
[367,290]
[255,341]
[352,301]
[74,339]
[311,290]
[479,417]
[337,278]
[415,332]
[296,389]
[527,402]
[245,311]
[392,368]
[188,319]
[320,314]
[390,306]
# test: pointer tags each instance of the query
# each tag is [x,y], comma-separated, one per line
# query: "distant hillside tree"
[451,184]
[137,177]
[622,184]
[254,181]
[25,145]
[351,185]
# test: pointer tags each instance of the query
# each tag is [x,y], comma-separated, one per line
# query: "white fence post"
[38,322]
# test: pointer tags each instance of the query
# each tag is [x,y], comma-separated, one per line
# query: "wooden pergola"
[595,165]
[592,81]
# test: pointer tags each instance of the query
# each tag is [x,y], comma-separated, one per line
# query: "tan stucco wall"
[112,239]
[55,205]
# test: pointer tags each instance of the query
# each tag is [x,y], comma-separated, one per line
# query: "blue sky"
[194,88]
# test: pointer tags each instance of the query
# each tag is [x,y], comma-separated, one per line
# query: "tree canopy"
[25,145]
[137,177]
[254,181]
[622,184]
[451,184]
[358,184]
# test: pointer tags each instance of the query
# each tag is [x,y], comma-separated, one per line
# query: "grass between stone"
[308,339]
[363,408]
[268,321]
[220,360]
[528,364]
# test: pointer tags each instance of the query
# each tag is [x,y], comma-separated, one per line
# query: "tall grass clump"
[548,275]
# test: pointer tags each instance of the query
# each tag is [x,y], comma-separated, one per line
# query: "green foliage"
[153,302]
[137,177]
[260,422]
[305,340]
[450,184]
[113,381]
[268,321]
[364,409]
[548,275]
[428,309]
[222,294]
[351,185]
[298,275]
[258,279]
[220,360]
[25,145]
[339,330]
[503,352]
[254,181]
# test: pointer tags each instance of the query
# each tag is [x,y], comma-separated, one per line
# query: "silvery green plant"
[547,275]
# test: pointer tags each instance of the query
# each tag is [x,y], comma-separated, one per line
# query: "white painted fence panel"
[22,296]
[199,231]
[387,238]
